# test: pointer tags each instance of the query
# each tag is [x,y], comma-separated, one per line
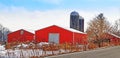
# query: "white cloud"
[19,18]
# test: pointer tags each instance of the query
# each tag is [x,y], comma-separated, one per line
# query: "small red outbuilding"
[114,39]
[20,36]
[60,35]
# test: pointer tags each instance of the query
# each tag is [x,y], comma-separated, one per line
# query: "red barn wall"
[113,39]
[17,37]
[42,35]
[80,38]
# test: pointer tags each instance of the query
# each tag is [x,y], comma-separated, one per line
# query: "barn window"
[54,37]
[22,32]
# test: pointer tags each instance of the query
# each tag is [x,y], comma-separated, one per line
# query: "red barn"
[114,39]
[60,35]
[20,36]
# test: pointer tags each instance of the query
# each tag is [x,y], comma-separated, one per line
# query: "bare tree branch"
[97,27]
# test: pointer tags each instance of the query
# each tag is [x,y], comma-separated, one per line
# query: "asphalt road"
[111,52]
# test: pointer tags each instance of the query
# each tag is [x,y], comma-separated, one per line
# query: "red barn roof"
[65,28]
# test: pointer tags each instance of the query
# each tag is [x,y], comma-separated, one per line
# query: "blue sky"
[36,14]
[61,4]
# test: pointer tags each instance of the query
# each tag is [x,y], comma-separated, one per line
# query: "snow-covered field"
[27,53]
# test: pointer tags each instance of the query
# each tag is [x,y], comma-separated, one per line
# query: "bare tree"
[97,27]
[3,33]
[115,29]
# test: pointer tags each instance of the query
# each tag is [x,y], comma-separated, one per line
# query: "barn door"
[54,37]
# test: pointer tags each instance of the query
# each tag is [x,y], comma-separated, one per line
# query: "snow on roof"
[67,28]
[73,30]
[28,30]
[70,29]
[114,35]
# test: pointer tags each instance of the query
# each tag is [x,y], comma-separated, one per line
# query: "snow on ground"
[42,43]
[23,45]
[2,50]
[2,47]
[25,53]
